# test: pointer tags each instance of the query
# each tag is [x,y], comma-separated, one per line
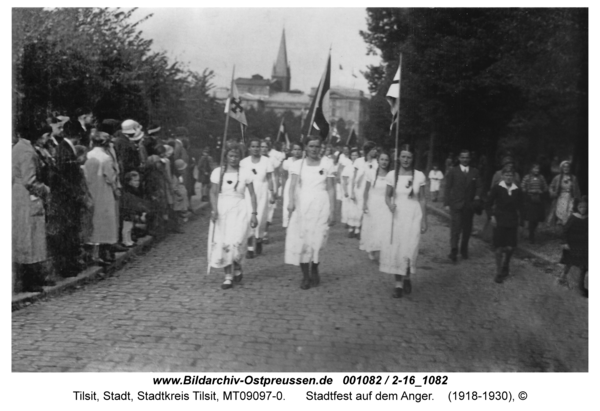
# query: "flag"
[354,75]
[393,94]
[281,129]
[316,107]
[352,138]
[235,103]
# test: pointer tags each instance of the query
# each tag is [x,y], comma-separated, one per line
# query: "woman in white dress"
[297,149]
[405,198]
[312,211]
[261,169]
[376,213]
[351,208]
[265,150]
[231,219]
[361,166]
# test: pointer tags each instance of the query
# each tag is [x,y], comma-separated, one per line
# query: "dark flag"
[316,107]
[352,138]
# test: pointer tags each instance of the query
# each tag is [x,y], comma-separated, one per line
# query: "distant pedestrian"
[351,205]
[275,157]
[575,245]
[405,198]
[564,190]
[205,167]
[435,178]
[297,150]
[504,207]
[231,219]
[449,163]
[376,214]
[262,170]
[462,197]
[534,186]
[312,213]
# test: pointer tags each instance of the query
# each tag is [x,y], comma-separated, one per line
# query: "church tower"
[281,69]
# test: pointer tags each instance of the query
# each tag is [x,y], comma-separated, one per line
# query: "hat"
[129,127]
[109,126]
[154,128]
[100,137]
[169,150]
[507,160]
[180,164]
[562,164]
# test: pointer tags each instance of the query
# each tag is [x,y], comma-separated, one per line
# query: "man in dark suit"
[462,196]
[66,201]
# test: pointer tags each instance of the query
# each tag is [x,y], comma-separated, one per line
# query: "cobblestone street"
[161,312]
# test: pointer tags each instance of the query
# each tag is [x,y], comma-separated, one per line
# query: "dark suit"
[461,190]
[64,216]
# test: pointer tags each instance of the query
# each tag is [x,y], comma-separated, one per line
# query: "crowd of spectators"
[83,190]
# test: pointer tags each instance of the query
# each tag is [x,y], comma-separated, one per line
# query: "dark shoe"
[259,247]
[49,283]
[305,284]
[315,279]
[452,257]
[94,261]
[119,248]
[249,254]
[265,240]
[227,285]
[351,234]
[238,278]
[397,292]
[407,286]
[464,255]
[505,272]
[357,236]
[499,279]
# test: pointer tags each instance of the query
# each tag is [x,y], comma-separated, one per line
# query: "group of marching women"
[387,203]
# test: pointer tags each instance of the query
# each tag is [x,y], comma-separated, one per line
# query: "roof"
[298,98]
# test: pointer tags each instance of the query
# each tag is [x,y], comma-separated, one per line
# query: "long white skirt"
[262,208]
[402,253]
[377,220]
[230,232]
[286,202]
[307,230]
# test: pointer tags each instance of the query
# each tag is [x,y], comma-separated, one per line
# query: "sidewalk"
[96,273]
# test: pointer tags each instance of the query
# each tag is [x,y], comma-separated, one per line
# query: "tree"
[475,77]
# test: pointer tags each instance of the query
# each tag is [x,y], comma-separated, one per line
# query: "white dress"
[435,177]
[339,192]
[402,253]
[286,194]
[308,230]
[233,222]
[259,172]
[276,162]
[378,217]
[351,209]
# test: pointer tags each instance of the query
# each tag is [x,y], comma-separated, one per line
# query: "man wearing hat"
[147,145]
[508,164]
[85,120]
[126,145]
[462,196]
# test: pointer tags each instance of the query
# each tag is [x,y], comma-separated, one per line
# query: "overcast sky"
[218,38]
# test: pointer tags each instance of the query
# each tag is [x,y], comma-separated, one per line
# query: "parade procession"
[406,194]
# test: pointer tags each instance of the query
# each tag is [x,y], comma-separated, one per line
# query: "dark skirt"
[575,256]
[505,236]
[534,208]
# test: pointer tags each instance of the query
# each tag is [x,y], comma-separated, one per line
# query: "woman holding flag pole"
[230,218]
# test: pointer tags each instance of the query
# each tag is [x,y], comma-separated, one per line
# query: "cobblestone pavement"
[163,313]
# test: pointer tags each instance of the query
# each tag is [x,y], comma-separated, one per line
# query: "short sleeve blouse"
[230,183]
[403,181]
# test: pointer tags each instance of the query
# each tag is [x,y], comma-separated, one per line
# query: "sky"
[219,38]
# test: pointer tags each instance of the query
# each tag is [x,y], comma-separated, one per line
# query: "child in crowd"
[435,178]
[575,245]
[181,204]
[133,207]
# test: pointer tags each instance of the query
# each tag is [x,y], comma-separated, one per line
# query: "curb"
[520,249]
[90,274]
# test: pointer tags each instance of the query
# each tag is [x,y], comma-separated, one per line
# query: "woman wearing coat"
[28,216]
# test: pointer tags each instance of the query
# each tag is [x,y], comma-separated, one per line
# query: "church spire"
[281,68]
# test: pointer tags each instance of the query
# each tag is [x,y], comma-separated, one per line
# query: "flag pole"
[279,129]
[228,106]
[397,170]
